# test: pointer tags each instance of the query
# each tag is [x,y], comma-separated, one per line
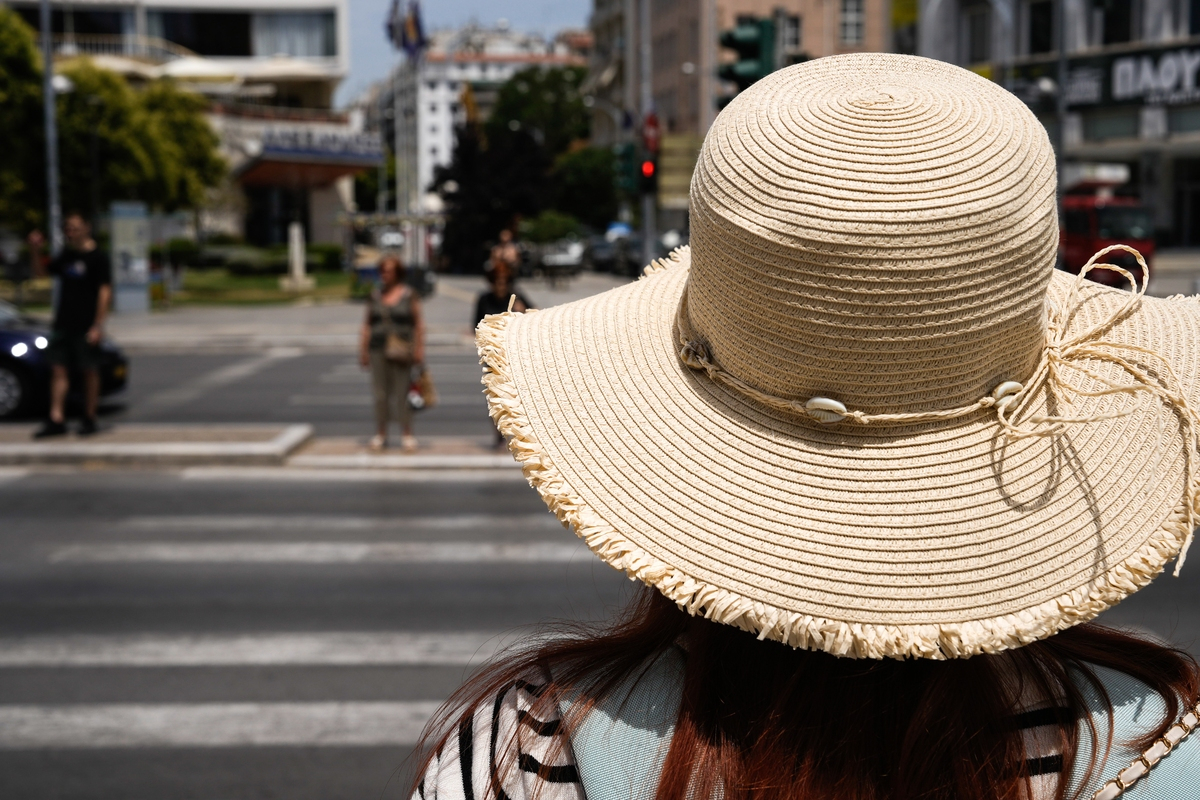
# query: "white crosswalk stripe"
[120,725]
[251,523]
[320,553]
[258,649]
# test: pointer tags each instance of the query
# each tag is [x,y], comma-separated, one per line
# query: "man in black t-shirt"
[84,275]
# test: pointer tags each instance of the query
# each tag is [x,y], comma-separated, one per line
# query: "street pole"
[1060,97]
[649,232]
[54,206]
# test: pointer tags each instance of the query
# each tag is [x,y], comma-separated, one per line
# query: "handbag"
[421,392]
[396,348]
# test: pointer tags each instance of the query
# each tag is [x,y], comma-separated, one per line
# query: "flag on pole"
[405,31]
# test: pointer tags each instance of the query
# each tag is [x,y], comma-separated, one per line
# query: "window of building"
[1194,17]
[1101,125]
[1041,27]
[1183,119]
[80,21]
[852,21]
[1117,16]
[208,33]
[299,34]
[791,34]
[978,34]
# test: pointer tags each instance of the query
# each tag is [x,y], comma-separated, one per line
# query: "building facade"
[457,77]
[1132,92]
[684,52]
[269,73]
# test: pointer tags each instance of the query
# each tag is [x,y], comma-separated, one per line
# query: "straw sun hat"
[863,413]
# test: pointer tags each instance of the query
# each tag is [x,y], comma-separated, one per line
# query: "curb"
[165,454]
[405,462]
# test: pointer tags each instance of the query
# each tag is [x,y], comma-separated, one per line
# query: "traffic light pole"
[649,204]
[54,205]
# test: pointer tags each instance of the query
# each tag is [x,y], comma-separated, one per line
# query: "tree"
[22,185]
[585,185]
[152,145]
[546,104]
[504,169]
[114,142]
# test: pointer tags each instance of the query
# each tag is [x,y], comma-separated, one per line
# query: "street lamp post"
[53,203]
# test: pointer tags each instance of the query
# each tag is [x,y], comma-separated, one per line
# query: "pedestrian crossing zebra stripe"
[174,725]
[321,553]
[328,522]
[375,648]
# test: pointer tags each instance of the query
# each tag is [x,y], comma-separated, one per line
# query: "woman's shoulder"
[514,739]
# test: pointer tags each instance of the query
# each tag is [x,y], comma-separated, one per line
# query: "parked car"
[561,259]
[25,373]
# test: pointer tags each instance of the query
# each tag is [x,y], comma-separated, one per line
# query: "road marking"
[257,649]
[10,474]
[113,725]
[296,522]
[455,293]
[289,474]
[364,399]
[320,553]
[224,376]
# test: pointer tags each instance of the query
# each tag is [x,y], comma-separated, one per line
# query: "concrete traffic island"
[151,445]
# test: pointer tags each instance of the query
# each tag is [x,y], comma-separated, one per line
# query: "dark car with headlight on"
[25,373]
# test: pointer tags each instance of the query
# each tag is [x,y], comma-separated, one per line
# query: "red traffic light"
[647,169]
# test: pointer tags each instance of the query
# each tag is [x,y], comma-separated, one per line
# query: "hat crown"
[882,232]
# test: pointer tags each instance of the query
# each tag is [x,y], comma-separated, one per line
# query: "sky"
[371,55]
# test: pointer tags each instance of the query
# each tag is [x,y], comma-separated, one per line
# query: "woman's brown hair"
[761,721]
[392,258]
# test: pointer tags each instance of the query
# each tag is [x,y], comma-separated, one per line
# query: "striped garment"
[503,738]
[503,745]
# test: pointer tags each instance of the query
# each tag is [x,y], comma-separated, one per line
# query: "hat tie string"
[1062,355]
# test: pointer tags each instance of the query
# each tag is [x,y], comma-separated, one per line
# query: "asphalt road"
[207,635]
[329,390]
[199,635]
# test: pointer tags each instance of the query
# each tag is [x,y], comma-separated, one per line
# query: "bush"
[325,257]
[549,226]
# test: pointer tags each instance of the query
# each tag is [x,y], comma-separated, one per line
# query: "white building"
[461,67]
[269,71]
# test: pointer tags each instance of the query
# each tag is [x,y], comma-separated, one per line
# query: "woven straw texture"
[881,230]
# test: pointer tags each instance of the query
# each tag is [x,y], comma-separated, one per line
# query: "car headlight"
[19,349]
[41,342]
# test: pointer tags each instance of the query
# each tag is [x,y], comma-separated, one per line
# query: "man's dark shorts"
[72,350]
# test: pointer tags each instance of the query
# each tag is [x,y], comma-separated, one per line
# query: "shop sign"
[1160,76]
[321,143]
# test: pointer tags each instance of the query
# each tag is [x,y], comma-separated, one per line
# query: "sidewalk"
[325,327]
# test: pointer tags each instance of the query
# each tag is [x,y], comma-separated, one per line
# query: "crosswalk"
[208,552]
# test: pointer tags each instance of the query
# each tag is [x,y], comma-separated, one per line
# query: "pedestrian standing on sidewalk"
[505,253]
[84,275]
[392,346]
[879,467]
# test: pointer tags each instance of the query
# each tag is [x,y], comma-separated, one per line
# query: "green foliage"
[366,185]
[521,163]
[546,104]
[114,143]
[153,145]
[585,185]
[21,183]
[549,226]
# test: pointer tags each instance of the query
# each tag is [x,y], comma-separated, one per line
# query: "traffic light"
[754,42]
[626,168]
[649,175]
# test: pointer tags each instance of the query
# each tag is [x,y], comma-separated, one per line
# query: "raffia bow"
[1064,357]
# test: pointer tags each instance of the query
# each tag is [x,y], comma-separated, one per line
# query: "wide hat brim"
[938,540]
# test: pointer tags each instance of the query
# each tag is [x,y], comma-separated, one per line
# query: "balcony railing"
[280,113]
[143,48]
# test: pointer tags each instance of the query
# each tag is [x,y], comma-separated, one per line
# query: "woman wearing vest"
[878,466]
[392,346]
